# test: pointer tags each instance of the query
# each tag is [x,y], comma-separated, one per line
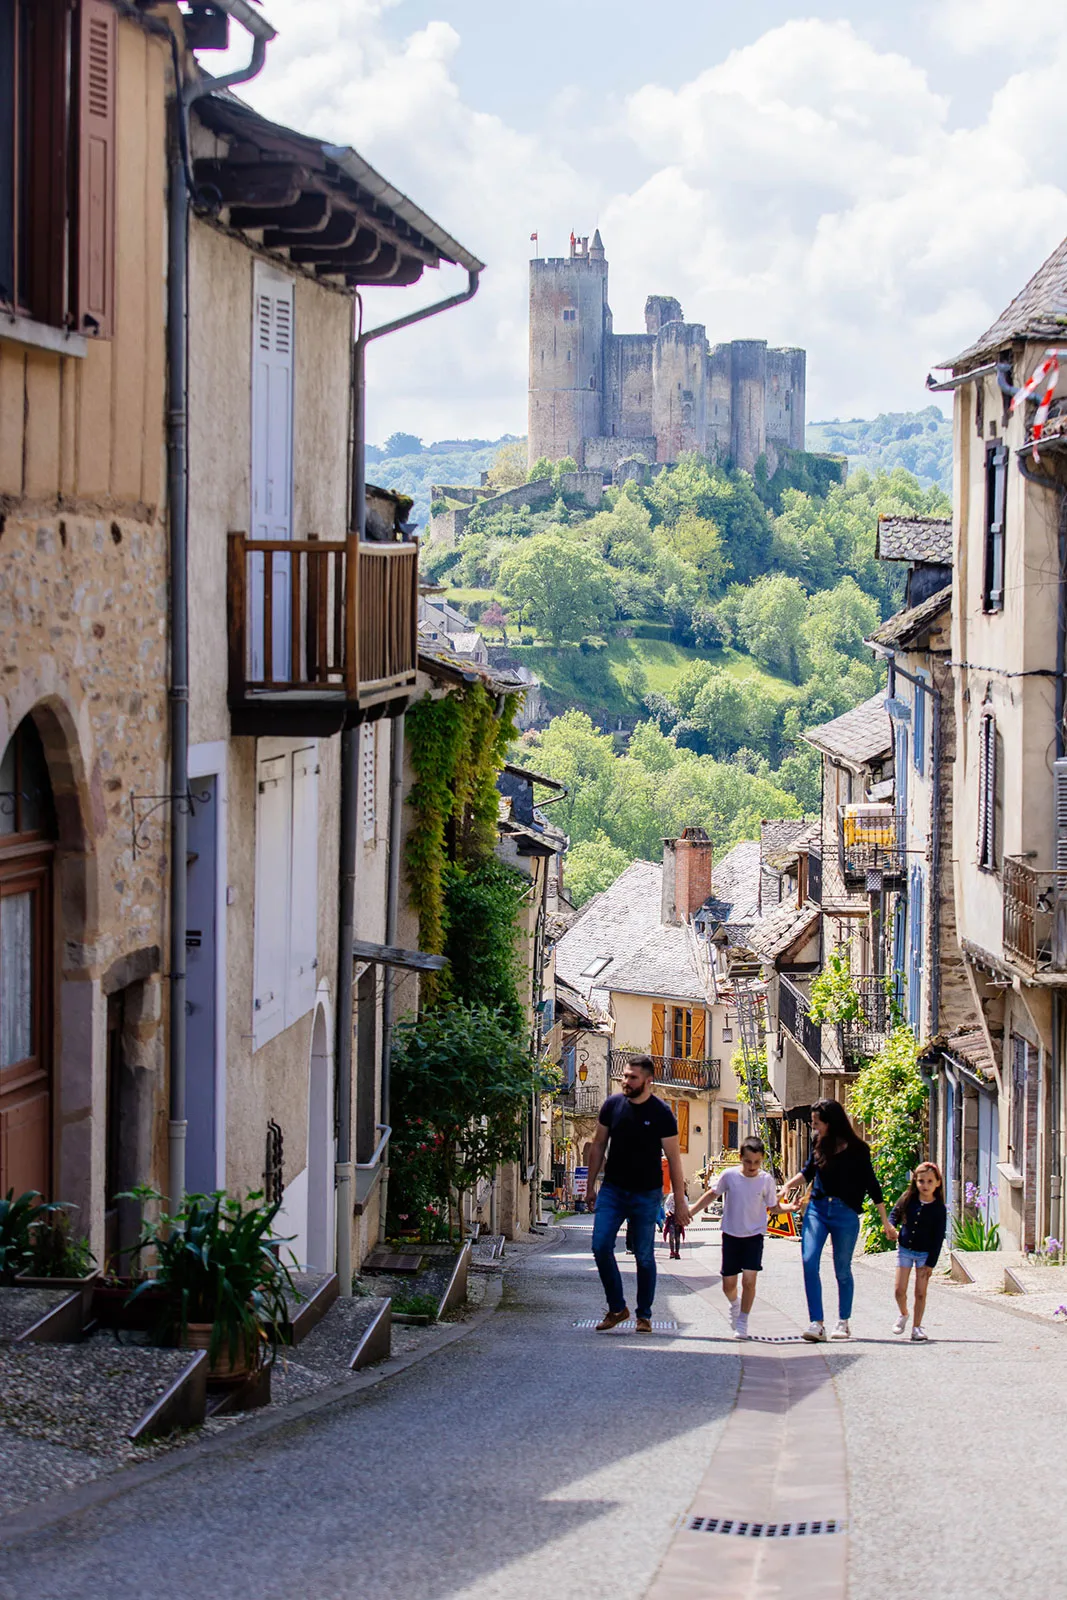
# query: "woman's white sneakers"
[815,1333]
[901,1323]
[842,1331]
[918,1336]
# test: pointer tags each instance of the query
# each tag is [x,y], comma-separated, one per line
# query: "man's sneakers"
[815,1333]
[918,1336]
[842,1331]
[612,1320]
[901,1323]
[643,1325]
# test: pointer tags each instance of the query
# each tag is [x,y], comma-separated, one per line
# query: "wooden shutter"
[271,912]
[304,900]
[658,1019]
[697,1048]
[272,462]
[681,1115]
[95,250]
[987,791]
[920,730]
[44,179]
[996,501]
[915,950]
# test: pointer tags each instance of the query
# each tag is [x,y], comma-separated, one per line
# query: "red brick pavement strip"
[781,1459]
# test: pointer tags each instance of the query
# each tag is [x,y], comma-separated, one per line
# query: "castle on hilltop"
[605,397]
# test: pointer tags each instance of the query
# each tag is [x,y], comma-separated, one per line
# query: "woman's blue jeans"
[827,1217]
[639,1208]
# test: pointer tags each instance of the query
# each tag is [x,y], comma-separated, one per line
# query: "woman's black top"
[848,1176]
[922,1227]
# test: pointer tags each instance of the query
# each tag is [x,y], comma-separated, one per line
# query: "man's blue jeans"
[639,1208]
[827,1217]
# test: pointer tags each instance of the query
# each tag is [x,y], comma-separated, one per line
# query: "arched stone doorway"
[28,834]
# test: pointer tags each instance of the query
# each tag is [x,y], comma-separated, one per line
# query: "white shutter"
[272,459]
[304,909]
[271,912]
[987,791]
[368,780]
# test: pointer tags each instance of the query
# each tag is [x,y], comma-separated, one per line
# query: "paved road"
[535,1460]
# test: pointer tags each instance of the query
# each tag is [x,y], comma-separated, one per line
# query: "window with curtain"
[681,1033]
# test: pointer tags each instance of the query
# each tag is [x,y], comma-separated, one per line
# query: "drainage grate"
[776,1338]
[666,1325]
[764,1530]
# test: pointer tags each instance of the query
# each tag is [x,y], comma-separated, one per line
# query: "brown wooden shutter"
[681,1114]
[44,291]
[95,256]
[697,1047]
[657,1029]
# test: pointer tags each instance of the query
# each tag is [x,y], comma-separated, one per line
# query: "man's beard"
[631,1092]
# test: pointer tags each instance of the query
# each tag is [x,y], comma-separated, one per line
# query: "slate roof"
[665,965]
[914,539]
[860,735]
[776,839]
[1039,311]
[907,626]
[773,934]
[735,886]
[615,923]
[969,1046]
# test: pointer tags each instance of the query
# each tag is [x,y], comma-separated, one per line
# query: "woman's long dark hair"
[839,1130]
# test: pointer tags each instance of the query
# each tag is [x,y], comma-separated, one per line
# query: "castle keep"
[605,397]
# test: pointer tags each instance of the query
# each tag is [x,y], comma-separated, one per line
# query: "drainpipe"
[349,782]
[396,817]
[180,192]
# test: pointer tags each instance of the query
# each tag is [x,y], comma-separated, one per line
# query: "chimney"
[686,876]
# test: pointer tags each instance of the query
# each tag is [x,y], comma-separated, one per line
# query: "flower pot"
[85,1285]
[223,1369]
[150,1312]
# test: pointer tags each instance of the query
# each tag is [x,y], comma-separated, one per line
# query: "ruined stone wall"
[607,453]
[720,401]
[628,386]
[785,397]
[748,402]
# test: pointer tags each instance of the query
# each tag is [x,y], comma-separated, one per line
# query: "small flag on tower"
[533,238]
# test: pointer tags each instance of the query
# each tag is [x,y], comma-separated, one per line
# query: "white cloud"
[810,188]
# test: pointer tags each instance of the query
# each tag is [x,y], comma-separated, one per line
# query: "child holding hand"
[922,1218]
[748,1195]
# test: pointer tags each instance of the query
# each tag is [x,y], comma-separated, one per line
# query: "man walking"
[634,1127]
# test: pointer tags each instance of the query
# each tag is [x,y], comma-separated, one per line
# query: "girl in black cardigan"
[921,1216]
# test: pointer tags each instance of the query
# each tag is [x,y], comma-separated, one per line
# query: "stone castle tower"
[605,397]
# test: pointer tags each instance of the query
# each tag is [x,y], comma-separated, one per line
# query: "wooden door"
[25,1024]
[729,1130]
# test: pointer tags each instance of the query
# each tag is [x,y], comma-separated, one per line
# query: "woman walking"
[840,1171]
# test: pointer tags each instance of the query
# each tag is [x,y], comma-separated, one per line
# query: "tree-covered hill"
[404,463]
[918,441]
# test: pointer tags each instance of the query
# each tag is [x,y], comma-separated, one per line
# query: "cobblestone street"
[534,1458]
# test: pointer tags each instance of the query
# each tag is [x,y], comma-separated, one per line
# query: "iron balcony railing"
[872,846]
[673,1070]
[314,617]
[1035,915]
[863,1036]
[580,1101]
[793,1007]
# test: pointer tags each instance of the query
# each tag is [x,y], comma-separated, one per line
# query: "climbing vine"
[889,1097]
[457,745]
[834,996]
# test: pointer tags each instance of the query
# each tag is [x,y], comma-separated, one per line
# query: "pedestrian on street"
[922,1218]
[672,1233]
[634,1128]
[748,1195]
[842,1176]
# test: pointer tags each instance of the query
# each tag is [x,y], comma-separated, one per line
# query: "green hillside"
[918,441]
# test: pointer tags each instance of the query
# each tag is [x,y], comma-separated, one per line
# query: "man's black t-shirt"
[636,1134]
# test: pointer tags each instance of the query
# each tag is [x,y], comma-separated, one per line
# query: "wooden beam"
[263,184]
[388,955]
[310,214]
[338,235]
[406,272]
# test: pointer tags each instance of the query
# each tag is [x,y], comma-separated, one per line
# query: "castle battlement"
[605,397]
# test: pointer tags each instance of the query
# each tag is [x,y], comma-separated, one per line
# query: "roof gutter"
[962,378]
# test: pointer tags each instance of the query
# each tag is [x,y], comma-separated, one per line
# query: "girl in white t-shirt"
[748,1195]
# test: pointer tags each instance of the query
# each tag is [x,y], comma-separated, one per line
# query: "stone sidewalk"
[534,1459]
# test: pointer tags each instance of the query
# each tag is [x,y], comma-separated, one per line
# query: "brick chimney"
[686,875]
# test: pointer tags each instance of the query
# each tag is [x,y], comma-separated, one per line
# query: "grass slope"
[597,681]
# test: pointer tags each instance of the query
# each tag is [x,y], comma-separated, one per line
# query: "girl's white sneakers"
[918,1336]
[842,1331]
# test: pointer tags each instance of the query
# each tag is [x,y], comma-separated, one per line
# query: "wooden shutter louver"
[697,1047]
[97,53]
[681,1116]
[987,791]
[44,292]
[658,1017]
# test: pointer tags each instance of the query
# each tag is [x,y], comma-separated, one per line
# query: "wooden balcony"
[1035,916]
[322,634]
[793,1006]
[672,1070]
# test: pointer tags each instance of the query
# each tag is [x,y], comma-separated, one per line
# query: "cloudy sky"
[872,181]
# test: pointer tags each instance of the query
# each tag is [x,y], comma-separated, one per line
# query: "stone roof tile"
[1039,311]
[907,626]
[914,539]
[860,735]
[613,925]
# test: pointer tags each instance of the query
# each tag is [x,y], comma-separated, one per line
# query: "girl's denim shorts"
[911,1258]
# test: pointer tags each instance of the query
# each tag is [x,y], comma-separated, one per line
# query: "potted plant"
[59,1259]
[18,1219]
[224,1284]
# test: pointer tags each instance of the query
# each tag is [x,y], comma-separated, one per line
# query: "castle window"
[789,399]
[569,314]
[568,355]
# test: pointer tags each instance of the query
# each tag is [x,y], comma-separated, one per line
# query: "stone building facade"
[604,397]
